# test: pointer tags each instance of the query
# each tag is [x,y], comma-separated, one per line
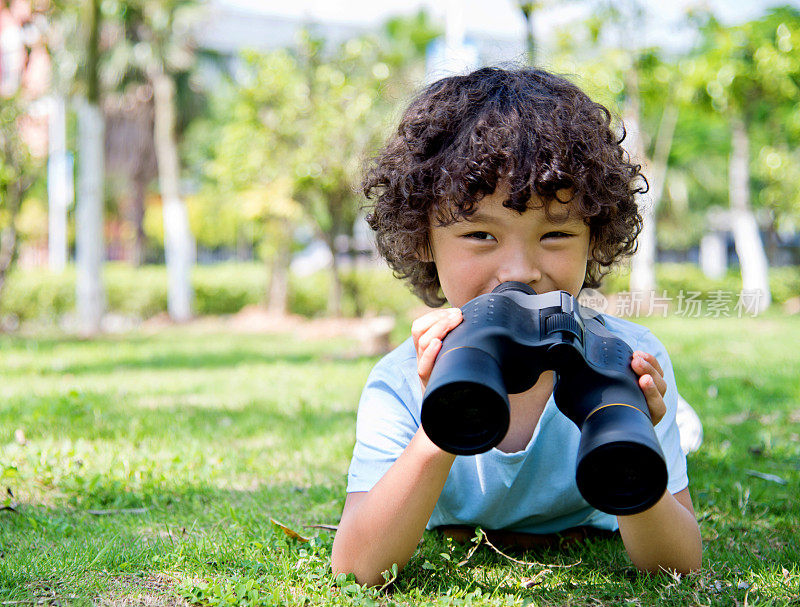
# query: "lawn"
[145,469]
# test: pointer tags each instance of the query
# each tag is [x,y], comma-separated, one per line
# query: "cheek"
[461,278]
[570,267]
[458,271]
[569,261]
[582,253]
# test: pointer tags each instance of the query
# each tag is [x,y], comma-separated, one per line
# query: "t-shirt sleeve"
[388,418]
[667,429]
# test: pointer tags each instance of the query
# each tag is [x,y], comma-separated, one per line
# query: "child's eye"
[556,235]
[479,236]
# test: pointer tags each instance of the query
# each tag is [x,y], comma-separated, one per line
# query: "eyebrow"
[478,216]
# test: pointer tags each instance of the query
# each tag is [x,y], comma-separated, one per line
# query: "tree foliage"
[292,135]
[749,68]
[751,72]
[19,170]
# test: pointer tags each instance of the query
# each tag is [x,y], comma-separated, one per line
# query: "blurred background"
[168,159]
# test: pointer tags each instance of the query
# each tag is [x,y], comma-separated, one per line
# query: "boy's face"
[497,244]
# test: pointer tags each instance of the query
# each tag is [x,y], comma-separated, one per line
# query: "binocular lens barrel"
[620,469]
[466,406]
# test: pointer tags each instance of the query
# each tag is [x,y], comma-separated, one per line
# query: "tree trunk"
[178,240]
[335,295]
[136,210]
[658,171]
[643,274]
[278,290]
[8,251]
[350,285]
[714,254]
[89,293]
[749,247]
[9,243]
[528,9]
[59,185]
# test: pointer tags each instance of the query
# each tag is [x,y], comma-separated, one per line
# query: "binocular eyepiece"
[506,340]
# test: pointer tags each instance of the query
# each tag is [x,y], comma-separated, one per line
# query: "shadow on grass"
[193,352]
[189,361]
[182,360]
[93,416]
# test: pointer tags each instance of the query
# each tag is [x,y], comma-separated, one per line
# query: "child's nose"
[520,267]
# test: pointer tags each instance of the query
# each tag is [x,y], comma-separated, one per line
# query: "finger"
[655,402]
[439,329]
[642,367]
[423,323]
[652,360]
[426,360]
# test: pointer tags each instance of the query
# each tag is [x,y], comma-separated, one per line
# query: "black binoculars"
[506,340]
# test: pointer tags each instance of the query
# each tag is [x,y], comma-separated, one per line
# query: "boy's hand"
[651,381]
[428,332]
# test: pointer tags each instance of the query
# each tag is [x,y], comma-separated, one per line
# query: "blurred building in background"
[229,29]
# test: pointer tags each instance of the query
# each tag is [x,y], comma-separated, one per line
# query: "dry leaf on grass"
[9,503]
[288,531]
[530,582]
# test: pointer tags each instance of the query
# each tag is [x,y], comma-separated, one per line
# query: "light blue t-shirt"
[532,490]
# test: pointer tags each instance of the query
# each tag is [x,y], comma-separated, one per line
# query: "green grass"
[203,437]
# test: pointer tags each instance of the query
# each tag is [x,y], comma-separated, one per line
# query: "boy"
[494,176]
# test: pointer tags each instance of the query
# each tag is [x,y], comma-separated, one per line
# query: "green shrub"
[308,295]
[227,288]
[38,294]
[140,292]
[784,282]
[676,277]
[377,290]
[382,293]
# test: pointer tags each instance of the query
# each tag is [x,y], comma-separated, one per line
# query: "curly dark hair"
[462,135]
